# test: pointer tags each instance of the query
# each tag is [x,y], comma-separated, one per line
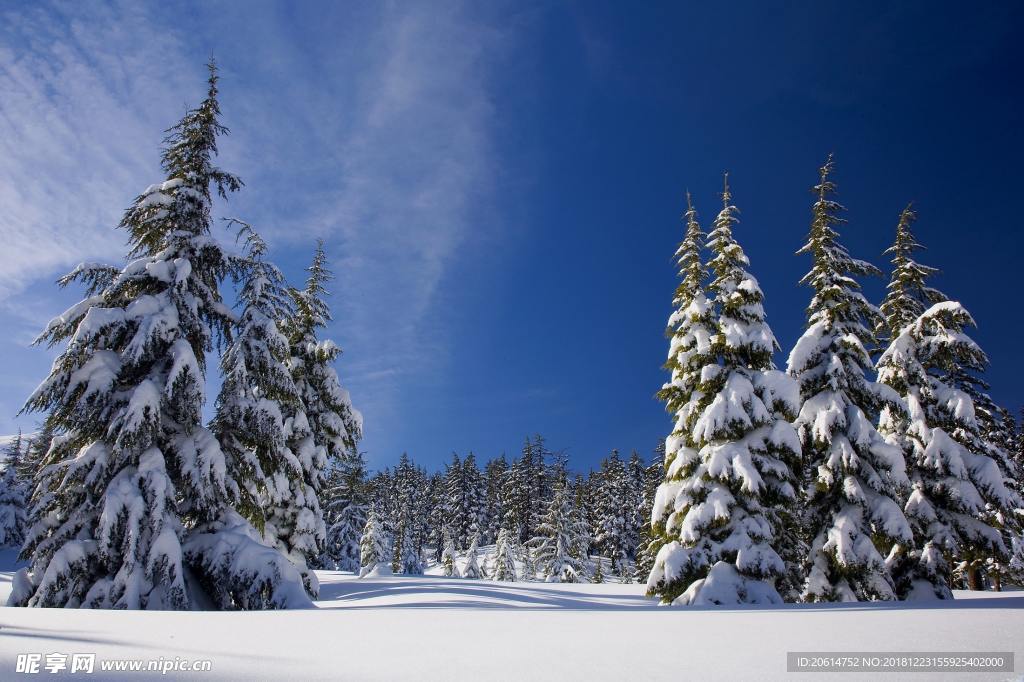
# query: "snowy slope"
[432,628]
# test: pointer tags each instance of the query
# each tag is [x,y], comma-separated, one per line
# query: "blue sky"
[499,184]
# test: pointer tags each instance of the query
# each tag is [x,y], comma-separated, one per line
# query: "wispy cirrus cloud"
[375,136]
[414,168]
[84,93]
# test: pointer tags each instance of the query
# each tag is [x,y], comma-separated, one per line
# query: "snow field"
[423,627]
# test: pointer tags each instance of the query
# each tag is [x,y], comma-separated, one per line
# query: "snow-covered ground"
[434,628]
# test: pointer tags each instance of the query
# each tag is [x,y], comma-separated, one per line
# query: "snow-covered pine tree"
[475,497]
[908,294]
[448,554]
[495,474]
[410,562]
[345,510]
[256,383]
[989,437]
[14,495]
[522,496]
[1018,451]
[855,476]
[15,450]
[1016,563]
[504,557]
[456,514]
[516,494]
[321,430]
[525,554]
[435,520]
[472,567]
[421,505]
[587,498]
[408,486]
[598,576]
[134,470]
[35,452]
[230,560]
[613,512]
[548,468]
[555,545]
[374,546]
[584,538]
[649,543]
[690,329]
[380,488]
[958,487]
[637,517]
[730,457]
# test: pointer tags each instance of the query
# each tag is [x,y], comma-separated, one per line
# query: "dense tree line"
[544,522]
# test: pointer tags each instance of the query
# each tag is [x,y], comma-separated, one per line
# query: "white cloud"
[84,93]
[379,142]
[390,152]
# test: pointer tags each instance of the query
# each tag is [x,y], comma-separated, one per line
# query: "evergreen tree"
[598,576]
[407,485]
[730,456]
[957,485]
[345,512]
[456,513]
[256,383]
[614,512]
[321,429]
[637,515]
[35,453]
[548,468]
[374,545]
[649,544]
[472,568]
[522,500]
[474,497]
[436,528]
[410,562]
[997,430]
[13,497]
[690,330]
[134,471]
[907,295]
[249,428]
[449,568]
[526,554]
[855,476]
[495,474]
[557,539]
[584,538]
[504,561]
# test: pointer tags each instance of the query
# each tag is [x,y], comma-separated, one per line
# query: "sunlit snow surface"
[433,628]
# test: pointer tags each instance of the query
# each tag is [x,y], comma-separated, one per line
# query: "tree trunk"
[996,583]
[973,578]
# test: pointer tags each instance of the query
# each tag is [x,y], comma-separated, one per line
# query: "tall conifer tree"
[135,462]
[321,430]
[908,294]
[729,459]
[856,477]
[14,495]
[960,496]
